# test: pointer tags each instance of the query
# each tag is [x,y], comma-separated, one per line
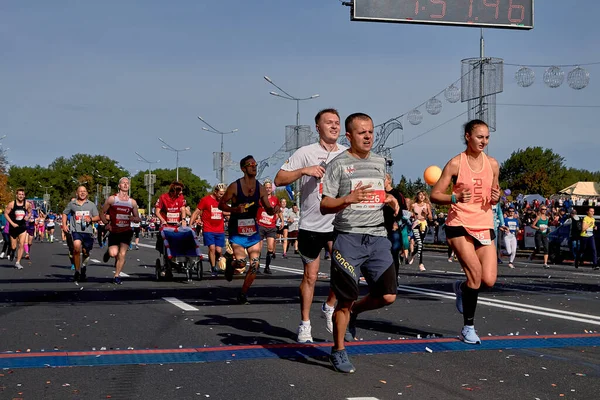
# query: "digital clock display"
[516,14]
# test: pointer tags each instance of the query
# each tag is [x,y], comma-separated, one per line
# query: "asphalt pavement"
[190,340]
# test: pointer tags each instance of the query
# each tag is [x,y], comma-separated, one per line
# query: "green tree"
[533,170]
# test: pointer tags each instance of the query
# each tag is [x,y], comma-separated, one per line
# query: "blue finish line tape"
[286,351]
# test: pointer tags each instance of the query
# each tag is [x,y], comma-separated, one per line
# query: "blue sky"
[111,77]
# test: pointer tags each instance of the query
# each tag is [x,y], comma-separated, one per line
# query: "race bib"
[80,214]
[512,226]
[172,218]
[376,197]
[216,213]
[122,220]
[19,215]
[266,218]
[246,227]
[543,228]
[482,235]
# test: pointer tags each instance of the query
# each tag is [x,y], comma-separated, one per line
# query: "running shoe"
[500,261]
[304,334]
[546,266]
[72,267]
[422,268]
[284,255]
[350,335]
[117,281]
[18,265]
[458,293]
[2,255]
[328,315]
[267,271]
[340,361]
[214,271]
[106,256]
[449,259]
[137,247]
[26,256]
[243,299]
[76,277]
[511,265]
[468,335]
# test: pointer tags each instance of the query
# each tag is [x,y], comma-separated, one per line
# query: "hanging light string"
[475,66]
[552,65]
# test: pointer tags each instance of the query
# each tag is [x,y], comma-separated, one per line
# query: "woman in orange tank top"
[470,225]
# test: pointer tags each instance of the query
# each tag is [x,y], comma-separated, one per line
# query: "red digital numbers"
[512,7]
[442,14]
[496,5]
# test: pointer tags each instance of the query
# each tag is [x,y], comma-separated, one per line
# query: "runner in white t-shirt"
[316,230]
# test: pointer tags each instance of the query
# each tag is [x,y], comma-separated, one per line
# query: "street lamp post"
[221,155]
[177,151]
[105,189]
[46,195]
[288,96]
[150,185]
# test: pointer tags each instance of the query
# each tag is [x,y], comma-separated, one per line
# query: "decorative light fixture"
[525,76]
[415,117]
[452,94]
[433,106]
[578,78]
[554,76]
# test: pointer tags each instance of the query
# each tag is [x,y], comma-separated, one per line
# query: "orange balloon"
[432,174]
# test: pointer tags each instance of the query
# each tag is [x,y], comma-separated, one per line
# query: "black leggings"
[418,250]
[6,238]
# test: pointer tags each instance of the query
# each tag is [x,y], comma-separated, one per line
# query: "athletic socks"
[268,260]
[469,301]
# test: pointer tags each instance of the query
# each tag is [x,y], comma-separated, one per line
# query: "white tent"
[587,189]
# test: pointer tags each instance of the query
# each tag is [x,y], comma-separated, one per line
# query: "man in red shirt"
[170,210]
[213,226]
[267,228]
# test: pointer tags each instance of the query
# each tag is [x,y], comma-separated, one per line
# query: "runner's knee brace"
[241,263]
[254,265]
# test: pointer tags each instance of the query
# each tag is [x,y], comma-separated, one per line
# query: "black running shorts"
[311,243]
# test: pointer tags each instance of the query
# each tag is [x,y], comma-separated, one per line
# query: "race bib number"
[266,218]
[543,228]
[216,213]
[512,226]
[19,215]
[482,235]
[376,197]
[246,227]
[80,214]
[172,218]
[122,220]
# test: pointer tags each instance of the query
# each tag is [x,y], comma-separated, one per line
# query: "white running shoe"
[304,334]
[468,335]
[18,265]
[2,255]
[328,315]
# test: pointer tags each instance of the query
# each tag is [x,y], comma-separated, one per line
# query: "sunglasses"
[250,164]
[544,209]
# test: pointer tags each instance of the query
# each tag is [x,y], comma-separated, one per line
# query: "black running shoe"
[106,257]
[267,271]
[242,299]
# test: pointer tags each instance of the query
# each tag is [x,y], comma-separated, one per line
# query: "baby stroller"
[181,253]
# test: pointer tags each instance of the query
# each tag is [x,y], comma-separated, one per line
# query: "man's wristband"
[453,199]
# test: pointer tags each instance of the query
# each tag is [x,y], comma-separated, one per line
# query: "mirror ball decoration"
[525,77]
[433,106]
[554,77]
[452,93]
[578,78]
[415,117]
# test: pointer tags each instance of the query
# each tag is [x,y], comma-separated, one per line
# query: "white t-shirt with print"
[311,188]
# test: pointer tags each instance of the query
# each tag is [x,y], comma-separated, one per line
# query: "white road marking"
[548,312]
[362,398]
[178,303]
[95,261]
[150,246]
